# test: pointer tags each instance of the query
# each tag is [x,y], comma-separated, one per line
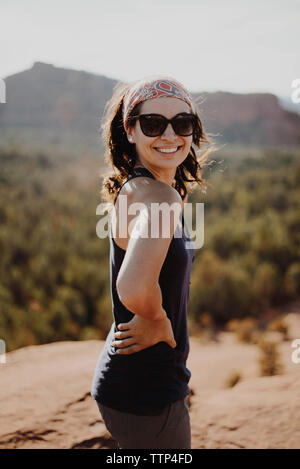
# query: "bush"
[269,360]
[233,379]
[278,325]
[222,289]
[292,280]
[246,331]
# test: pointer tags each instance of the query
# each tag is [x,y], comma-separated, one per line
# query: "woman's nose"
[169,132]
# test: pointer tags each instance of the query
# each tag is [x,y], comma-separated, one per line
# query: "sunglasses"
[154,125]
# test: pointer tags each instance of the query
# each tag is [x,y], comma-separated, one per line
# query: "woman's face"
[148,148]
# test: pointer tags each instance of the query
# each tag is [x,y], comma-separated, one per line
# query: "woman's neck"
[167,178]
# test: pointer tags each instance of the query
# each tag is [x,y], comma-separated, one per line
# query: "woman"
[141,379]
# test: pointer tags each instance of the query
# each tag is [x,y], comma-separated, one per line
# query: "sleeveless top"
[144,382]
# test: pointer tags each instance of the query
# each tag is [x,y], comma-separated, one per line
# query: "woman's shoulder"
[146,189]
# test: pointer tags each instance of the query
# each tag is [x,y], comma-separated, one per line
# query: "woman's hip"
[169,430]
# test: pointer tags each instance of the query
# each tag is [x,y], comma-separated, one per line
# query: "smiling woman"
[141,379]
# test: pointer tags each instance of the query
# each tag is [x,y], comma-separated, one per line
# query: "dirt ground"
[45,397]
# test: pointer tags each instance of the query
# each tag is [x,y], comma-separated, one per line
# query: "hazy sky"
[229,45]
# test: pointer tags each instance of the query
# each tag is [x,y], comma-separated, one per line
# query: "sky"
[240,46]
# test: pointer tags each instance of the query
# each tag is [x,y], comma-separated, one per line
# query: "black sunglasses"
[154,125]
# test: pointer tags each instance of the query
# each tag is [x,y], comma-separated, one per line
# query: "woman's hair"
[121,155]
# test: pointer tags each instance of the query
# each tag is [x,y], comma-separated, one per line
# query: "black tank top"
[144,382]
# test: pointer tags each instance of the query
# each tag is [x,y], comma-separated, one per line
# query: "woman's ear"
[130,138]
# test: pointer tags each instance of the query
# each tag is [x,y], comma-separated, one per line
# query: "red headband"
[149,89]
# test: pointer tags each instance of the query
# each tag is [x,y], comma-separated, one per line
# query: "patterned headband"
[145,89]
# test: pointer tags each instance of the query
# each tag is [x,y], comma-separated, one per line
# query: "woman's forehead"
[166,106]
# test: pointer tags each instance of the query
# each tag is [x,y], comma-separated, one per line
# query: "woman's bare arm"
[137,282]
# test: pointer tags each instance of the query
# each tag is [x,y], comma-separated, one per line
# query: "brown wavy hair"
[121,155]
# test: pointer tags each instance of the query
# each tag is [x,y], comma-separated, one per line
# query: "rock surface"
[45,397]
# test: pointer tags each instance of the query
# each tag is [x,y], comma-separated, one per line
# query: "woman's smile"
[169,151]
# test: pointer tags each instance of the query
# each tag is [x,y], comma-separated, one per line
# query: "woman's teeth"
[167,150]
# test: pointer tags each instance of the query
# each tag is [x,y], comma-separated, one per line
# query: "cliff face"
[47,98]
[250,118]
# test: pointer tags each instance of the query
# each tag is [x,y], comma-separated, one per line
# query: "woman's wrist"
[160,315]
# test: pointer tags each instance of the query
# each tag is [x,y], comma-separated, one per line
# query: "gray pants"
[169,430]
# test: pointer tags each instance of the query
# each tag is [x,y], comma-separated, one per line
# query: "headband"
[149,89]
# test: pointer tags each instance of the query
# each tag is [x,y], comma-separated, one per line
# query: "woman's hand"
[141,333]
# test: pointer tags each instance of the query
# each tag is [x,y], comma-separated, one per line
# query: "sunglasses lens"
[152,126]
[184,125]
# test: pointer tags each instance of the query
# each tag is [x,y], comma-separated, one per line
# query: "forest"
[54,270]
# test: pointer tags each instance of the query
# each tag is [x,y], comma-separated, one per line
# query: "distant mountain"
[255,118]
[47,97]
[58,100]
